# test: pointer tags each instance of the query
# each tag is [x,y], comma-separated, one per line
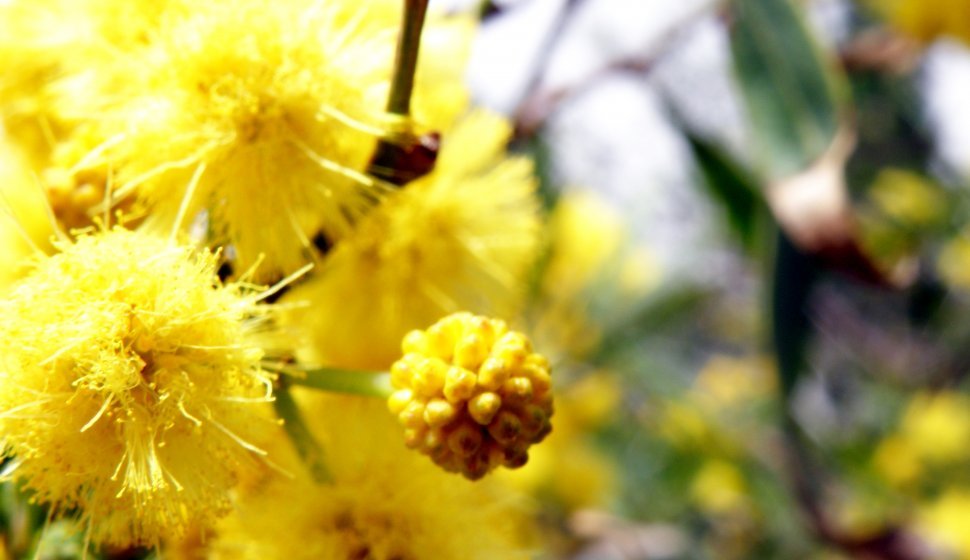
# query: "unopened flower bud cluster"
[471,394]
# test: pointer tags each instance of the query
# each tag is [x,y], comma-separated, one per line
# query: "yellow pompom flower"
[463,237]
[130,382]
[384,502]
[263,113]
[471,394]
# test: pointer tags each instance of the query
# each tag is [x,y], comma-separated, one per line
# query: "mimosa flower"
[130,384]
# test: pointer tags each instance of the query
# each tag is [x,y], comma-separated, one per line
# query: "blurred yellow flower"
[933,431]
[944,521]
[719,488]
[928,19]
[589,257]
[953,263]
[463,237]
[385,502]
[710,418]
[908,198]
[937,426]
[585,233]
[131,385]
[728,381]
[689,428]
[897,461]
[590,402]
[861,512]
[440,95]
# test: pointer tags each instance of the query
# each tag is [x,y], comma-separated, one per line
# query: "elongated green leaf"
[794,277]
[733,188]
[790,89]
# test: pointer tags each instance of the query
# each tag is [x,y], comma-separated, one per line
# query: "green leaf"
[792,92]
[795,275]
[733,188]
[306,445]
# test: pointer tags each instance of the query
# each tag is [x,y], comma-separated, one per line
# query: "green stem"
[306,445]
[364,383]
[406,60]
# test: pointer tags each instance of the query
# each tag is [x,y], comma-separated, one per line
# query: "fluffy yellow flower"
[471,394]
[266,110]
[463,237]
[928,19]
[130,382]
[263,113]
[384,503]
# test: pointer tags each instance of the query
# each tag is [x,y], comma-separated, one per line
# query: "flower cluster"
[161,164]
[471,394]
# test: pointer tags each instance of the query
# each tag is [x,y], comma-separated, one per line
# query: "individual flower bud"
[470,351]
[459,384]
[518,390]
[398,401]
[439,413]
[483,407]
[414,342]
[471,394]
[492,374]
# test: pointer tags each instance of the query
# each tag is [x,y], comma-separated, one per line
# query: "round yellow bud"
[471,394]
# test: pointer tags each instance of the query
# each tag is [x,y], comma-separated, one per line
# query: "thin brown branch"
[540,103]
